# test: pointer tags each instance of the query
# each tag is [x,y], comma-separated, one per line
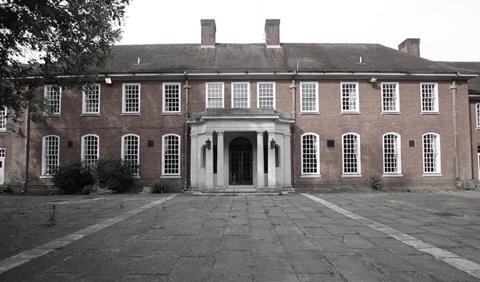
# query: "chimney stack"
[208,33]
[410,46]
[272,33]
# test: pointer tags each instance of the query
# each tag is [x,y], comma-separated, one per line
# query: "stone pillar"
[194,164]
[209,163]
[287,163]
[260,172]
[220,160]
[272,176]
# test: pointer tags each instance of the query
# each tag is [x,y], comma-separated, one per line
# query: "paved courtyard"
[240,238]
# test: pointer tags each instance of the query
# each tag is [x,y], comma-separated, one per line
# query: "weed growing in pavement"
[52,214]
[376,183]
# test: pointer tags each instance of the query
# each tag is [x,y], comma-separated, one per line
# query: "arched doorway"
[241,168]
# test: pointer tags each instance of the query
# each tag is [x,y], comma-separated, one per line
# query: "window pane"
[266,95]
[429,97]
[351,157]
[52,99]
[171,155]
[92,99]
[50,160]
[309,97]
[390,97]
[3,118]
[131,152]
[171,97]
[214,95]
[431,153]
[240,95]
[349,97]
[131,98]
[391,155]
[90,150]
[310,154]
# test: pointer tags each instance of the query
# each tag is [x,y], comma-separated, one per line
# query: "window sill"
[432,174]
[429,113]
[170,176]
[136,176]
[309,113]
[391,113]
[351,175]
[131,114]
[171,114]
[3,131]
[349,113]
[51,115]
[310,175]
[46,176]
[90,114]
[393,175]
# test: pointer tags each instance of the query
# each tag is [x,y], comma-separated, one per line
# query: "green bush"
[162,188]
[376,183]
[73,178]
[114,174]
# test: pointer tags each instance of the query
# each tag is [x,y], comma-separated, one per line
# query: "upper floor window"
[431,153]
[266,95]
[349,91]
[391,154]
[390,97]
[215,93]
[351,154]
[131,152]
[53,98]
[171,97]
[3,119]
[50,154]
[91,99]
[131,98]
[240,95]
[171,155]
[309,94]
[90,151]
[477,114]
[429,94]
[310,154]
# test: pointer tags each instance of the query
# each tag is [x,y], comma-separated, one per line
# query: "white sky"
[449,29]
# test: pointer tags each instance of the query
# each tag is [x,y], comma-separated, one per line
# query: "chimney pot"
[410,46]
[208,32]
[272,32]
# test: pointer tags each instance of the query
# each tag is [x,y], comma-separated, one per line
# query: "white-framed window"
[2,152]
[310,154]
[171,97]
[171,155]
[131,152]
[53,99]
[390,97]
[131,98]
[392,163]
[309,96]
[3,119]
[429,96]
[50,154]
[91,99]
[215,95]
[477,115]
[349,95]
[431,153]
[266,95]
[90,151]
[240,95]
[351,154]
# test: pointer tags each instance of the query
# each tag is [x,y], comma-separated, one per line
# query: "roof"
[474,83]
[303,57]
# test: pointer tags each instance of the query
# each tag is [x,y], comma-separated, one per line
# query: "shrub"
[71,179]
[162,188]
[376,183]
[114,174]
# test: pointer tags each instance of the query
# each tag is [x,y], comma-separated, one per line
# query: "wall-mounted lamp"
[108,80]
[273,144]
[373,80]
[208,144]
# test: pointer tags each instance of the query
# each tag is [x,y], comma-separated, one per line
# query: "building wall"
[329,123]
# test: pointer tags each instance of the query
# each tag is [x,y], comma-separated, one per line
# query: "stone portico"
[240,150]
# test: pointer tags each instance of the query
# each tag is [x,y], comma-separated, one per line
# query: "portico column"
[194,161]
[220,164]
[272,176]
[209,163]
[260,171]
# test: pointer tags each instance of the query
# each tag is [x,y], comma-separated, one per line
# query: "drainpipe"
[293,88]
[186,87]
[27,149]
[453,90]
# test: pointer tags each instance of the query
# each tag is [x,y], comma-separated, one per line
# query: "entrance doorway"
[2,166]
[241,168]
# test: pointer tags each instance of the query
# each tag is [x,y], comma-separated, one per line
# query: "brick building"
[262,117]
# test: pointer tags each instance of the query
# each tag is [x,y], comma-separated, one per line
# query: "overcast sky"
[449,29]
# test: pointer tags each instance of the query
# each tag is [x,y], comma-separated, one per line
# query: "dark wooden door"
[241,169]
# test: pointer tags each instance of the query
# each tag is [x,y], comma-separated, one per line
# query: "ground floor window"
[50,154]
[90,151]
[131,152]
[431,153]
[391,153]
[171,155]
[310,153]
[351,153]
